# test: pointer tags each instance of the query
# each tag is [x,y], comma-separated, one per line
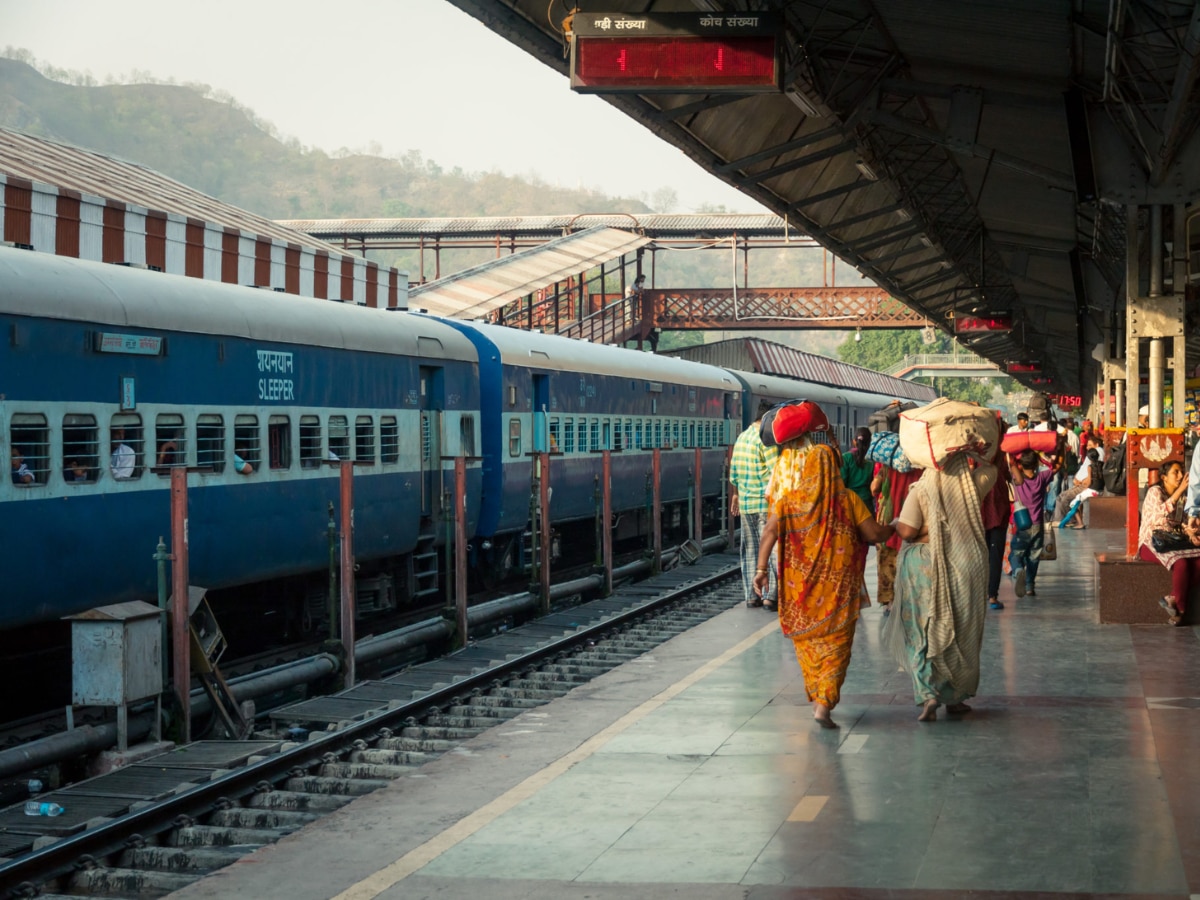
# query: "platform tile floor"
[1077,774]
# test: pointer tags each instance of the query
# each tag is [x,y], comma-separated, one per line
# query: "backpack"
[888,418]
[1114,470]
[1038,404]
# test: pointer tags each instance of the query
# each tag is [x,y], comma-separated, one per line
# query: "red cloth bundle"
[792,420]
[1038,441]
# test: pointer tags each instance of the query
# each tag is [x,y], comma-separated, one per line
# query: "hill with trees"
[209,141]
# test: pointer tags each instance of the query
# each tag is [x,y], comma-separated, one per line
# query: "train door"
[541,406]
[431,443]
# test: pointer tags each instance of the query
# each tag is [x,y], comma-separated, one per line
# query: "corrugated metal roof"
[652,224]
[88,172]
[769,358]
[477,291]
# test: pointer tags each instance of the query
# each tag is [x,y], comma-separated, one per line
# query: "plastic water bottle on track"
[36,808]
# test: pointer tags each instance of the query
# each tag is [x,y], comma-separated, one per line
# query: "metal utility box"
[116,657]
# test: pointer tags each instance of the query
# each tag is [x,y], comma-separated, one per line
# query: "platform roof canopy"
[479,290]
[974,155]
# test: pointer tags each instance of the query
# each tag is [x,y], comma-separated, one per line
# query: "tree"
[882,349]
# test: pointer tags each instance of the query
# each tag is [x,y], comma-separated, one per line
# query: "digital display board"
[1023,368]
[982,324]
[675,52]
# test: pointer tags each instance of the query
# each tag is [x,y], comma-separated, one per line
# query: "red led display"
[981,324]
[675,63]
[1069,401]
[1023,368]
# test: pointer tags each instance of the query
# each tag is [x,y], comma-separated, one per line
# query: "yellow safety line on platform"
[808,809]
[375,884]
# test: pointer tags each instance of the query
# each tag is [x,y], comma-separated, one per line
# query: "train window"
[170,442]
[514,437]
[637,436]
[30,449]
[247,445]
[128,446]
[81,448]
[555,435]
[466,435]
[618,436]
[279,442]
[339,438]
[675,433]
[658,434]
[389,438]
[210,443]
[629,445]
[310,442]
[594,437]
[607,445]
[568,436]
[583,436]
[364,439]
[692,435]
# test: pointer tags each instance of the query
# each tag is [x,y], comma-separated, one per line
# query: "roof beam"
[779,149]
[1178,123]
[999,157]
[799,163]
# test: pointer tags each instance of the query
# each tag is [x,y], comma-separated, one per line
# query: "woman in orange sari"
[824,530]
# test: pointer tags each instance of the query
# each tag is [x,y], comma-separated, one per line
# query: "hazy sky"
[400,74]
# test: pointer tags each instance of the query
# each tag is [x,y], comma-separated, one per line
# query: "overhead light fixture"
[866,170]
[925,239]
[805,105]
[903,215]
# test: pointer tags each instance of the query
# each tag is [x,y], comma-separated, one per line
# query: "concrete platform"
[697,772]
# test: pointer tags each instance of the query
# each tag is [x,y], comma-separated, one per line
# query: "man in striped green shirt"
[749,471]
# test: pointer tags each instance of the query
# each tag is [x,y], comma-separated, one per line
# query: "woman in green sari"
[857,470]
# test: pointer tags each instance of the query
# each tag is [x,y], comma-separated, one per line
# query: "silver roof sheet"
[653,223]
[66,166]
[769,358]
[60,287]
[477,291]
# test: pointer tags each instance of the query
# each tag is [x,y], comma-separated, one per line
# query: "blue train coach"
[549,393]
[113,376]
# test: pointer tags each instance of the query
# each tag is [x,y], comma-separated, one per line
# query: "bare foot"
[928,711]
[822,717]
[957,709]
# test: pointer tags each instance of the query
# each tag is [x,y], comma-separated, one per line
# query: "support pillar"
[347,570]
[543,464]
[606,512]
[1119,401]
[656,510]
[460,548]
[181,643]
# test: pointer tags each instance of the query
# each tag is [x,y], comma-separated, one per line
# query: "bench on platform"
[1127,591]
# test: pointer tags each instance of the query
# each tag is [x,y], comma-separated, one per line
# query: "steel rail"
[23,873]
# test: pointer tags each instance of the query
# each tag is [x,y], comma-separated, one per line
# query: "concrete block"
[1127,591]
[111,760]
[1106,512]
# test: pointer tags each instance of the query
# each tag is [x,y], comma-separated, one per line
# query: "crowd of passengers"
[810,513]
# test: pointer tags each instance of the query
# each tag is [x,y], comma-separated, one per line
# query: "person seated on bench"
[1162,510]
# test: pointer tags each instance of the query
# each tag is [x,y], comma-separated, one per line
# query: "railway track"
[200,807]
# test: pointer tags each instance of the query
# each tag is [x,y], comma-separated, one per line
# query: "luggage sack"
[932,434]
[885,449]
[1038,441]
